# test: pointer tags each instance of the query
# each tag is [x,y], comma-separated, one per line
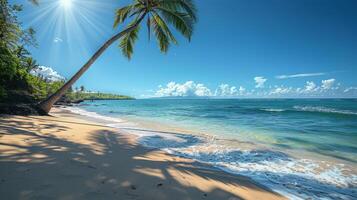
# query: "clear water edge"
[297,172]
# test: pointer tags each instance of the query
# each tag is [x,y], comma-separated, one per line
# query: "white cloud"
[202,90]
[327,84]
[281,90]
[259,80]
[225,90]
[350,89]
[327,88]
[310,87]
[324,90]
[47,73]
[299,75]
[233,90]
[57,40]
[189,88]
[241,90]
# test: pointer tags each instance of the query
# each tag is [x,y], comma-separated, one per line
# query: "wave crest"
[272,110]
[292,177]
[323,110]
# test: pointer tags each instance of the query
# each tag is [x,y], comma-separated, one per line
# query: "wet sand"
[64,156]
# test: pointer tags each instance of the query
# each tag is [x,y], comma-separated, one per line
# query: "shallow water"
[303,148]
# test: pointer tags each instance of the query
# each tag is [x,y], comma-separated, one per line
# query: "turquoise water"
[310,144]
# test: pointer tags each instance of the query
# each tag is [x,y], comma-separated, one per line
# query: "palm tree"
[30,64]
[159,14]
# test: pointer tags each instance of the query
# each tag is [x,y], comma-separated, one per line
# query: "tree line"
[17,84]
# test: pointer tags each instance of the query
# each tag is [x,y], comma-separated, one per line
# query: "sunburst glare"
[66,4]
[72,26]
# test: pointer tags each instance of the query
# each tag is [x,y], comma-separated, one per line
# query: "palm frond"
[181,21]
[123,13]
[181,14]
[128,40]
[164,27]
[161,36]
[148,24]
[185,6]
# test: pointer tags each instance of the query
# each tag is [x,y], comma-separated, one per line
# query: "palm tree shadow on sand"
[56,168]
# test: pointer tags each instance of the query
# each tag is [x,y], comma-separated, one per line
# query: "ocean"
[301,148]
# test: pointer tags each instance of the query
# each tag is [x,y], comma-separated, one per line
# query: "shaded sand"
[66,157]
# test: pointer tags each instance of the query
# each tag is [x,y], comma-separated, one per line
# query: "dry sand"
[64,156]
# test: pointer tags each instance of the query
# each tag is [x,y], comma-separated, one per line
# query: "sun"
[66,3]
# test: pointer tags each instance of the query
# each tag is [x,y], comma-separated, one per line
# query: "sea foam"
[295,178]
[83,112]
[292,177]
[323,110]
[272,109]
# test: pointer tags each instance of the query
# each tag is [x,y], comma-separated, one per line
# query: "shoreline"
[293,175]
[231,141]
[65,156]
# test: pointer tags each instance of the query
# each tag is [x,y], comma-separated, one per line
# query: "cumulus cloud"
[327,84]
[202,90]
[310,86]
[47,73]
[327,88]
[57,40]
[299,75]
[225,90]
[259,81]
[281,90]
[324,89]
[190,88]
[241,90]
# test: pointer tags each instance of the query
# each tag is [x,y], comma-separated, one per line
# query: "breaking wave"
[293,177]
[272,110]
[321,109]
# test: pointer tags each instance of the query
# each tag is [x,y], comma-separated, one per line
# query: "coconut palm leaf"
[181,21]
[121,14]
[161,36]
[128,40]
[186,6]
[160,14]
[160,22]
[148,25]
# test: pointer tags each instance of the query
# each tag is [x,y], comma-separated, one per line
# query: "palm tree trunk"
[47,104]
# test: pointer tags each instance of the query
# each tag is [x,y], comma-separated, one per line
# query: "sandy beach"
[64,156]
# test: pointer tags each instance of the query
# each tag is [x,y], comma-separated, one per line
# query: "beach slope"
[64,156]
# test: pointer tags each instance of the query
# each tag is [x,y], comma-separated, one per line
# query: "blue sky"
[255,48]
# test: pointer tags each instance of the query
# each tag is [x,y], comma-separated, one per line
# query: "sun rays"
[66,4]
[71,25]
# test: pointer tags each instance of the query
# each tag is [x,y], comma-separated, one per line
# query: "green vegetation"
[16,61]
[160,17]
[77,96]
[17,84]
